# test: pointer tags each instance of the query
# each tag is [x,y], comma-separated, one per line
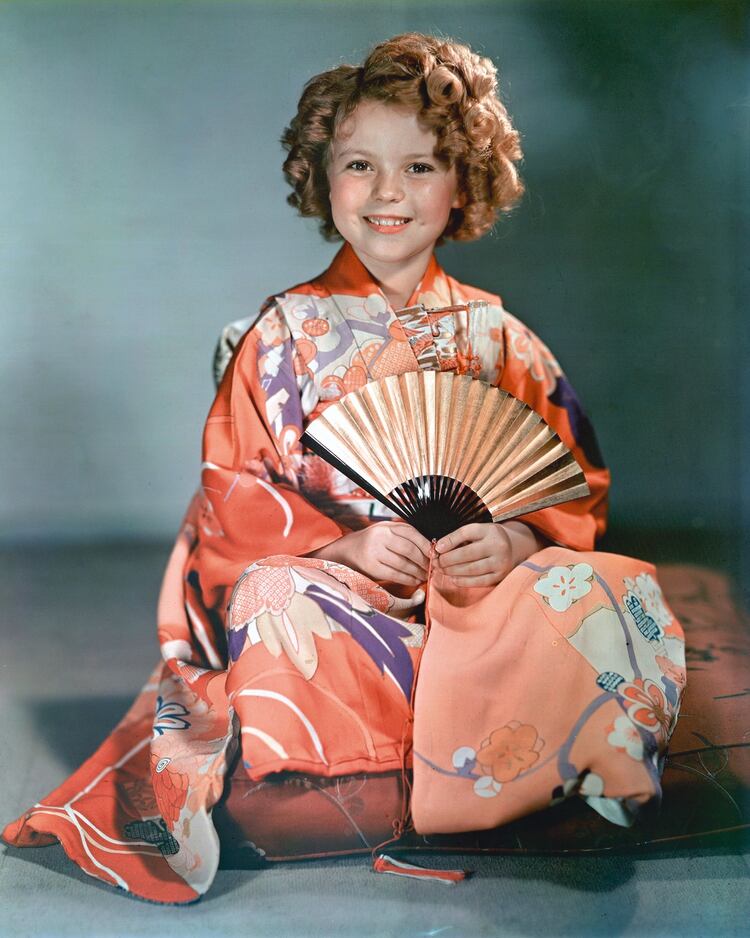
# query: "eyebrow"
[409,156]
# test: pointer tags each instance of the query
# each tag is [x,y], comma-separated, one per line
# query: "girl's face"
[390,197]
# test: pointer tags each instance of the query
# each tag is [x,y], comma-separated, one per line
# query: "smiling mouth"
[386,221]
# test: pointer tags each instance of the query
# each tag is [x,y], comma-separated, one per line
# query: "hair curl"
[454,92]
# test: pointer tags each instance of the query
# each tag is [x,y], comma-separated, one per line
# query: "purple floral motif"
[236,641]
[380,636]
[284,380]
[564,396]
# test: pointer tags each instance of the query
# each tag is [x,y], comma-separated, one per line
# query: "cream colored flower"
[487,787]
[562,586]
[649,592]
[625,737]
[292,631]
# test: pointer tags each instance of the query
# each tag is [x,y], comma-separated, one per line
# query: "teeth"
[388,222]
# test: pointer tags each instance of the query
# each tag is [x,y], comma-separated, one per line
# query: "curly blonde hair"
[454,92]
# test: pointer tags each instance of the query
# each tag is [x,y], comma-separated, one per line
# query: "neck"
[398,285]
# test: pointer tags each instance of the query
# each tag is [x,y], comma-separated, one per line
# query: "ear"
[460,199]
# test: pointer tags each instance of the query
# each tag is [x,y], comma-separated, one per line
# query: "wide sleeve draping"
[251,506]
[531,373]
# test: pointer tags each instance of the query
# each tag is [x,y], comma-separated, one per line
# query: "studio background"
[143,207]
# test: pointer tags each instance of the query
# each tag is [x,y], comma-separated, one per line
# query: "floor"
[77,641]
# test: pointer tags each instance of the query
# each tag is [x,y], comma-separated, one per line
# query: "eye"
[359,166]
[421,168]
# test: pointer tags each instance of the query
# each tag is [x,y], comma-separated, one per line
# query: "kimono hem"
[565,679]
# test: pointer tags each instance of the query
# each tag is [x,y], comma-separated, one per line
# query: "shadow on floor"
[73,728]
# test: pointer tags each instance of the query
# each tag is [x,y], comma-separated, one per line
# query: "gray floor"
[77,641]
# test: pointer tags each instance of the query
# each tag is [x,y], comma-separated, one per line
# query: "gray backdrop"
[142,206]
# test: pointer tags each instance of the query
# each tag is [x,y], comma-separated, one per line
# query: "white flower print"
[649,592]
[591,785]
[487,787]
[462,755]
[626,736]
[562,586]
[540,362]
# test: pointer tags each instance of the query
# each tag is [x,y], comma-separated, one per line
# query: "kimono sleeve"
[251,506]
[531,373]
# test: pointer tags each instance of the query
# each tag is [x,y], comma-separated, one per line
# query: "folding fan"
[443,450]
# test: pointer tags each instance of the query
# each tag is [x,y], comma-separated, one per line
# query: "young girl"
[295,612]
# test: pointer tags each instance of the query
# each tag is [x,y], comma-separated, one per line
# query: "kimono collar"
[348,275]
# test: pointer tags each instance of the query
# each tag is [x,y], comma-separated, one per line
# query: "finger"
[397,562]
[469,532]
[405,547]
[482,567]
[466,582]
[393,575]
[402,547]
[408,533]
[466,554]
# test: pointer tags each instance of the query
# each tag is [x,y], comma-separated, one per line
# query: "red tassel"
[385,864]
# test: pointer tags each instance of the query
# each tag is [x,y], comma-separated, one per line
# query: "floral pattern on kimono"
[564,679]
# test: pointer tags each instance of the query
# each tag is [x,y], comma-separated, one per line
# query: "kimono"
[564,679]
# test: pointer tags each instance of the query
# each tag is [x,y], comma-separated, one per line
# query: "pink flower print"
[540,362]
[354,587]
[170,790]
[358,590]
[646,705]
[265,589]
[354,378]
[560,587]
[671,670]
[305,352]
[509,750]
[625,737]
[315,327]
[273,329]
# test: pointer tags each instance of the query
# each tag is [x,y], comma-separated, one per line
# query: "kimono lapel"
[348,276]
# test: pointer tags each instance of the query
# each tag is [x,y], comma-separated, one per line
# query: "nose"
[388,187]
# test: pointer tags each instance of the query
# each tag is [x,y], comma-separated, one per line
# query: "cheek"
[344,193]
[440,200]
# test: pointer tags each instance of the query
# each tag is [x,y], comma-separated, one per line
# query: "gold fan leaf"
[442,450]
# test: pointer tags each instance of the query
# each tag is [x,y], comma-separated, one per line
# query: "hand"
[484,554]
[390,551]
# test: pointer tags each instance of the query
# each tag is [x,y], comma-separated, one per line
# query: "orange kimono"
[565,679]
